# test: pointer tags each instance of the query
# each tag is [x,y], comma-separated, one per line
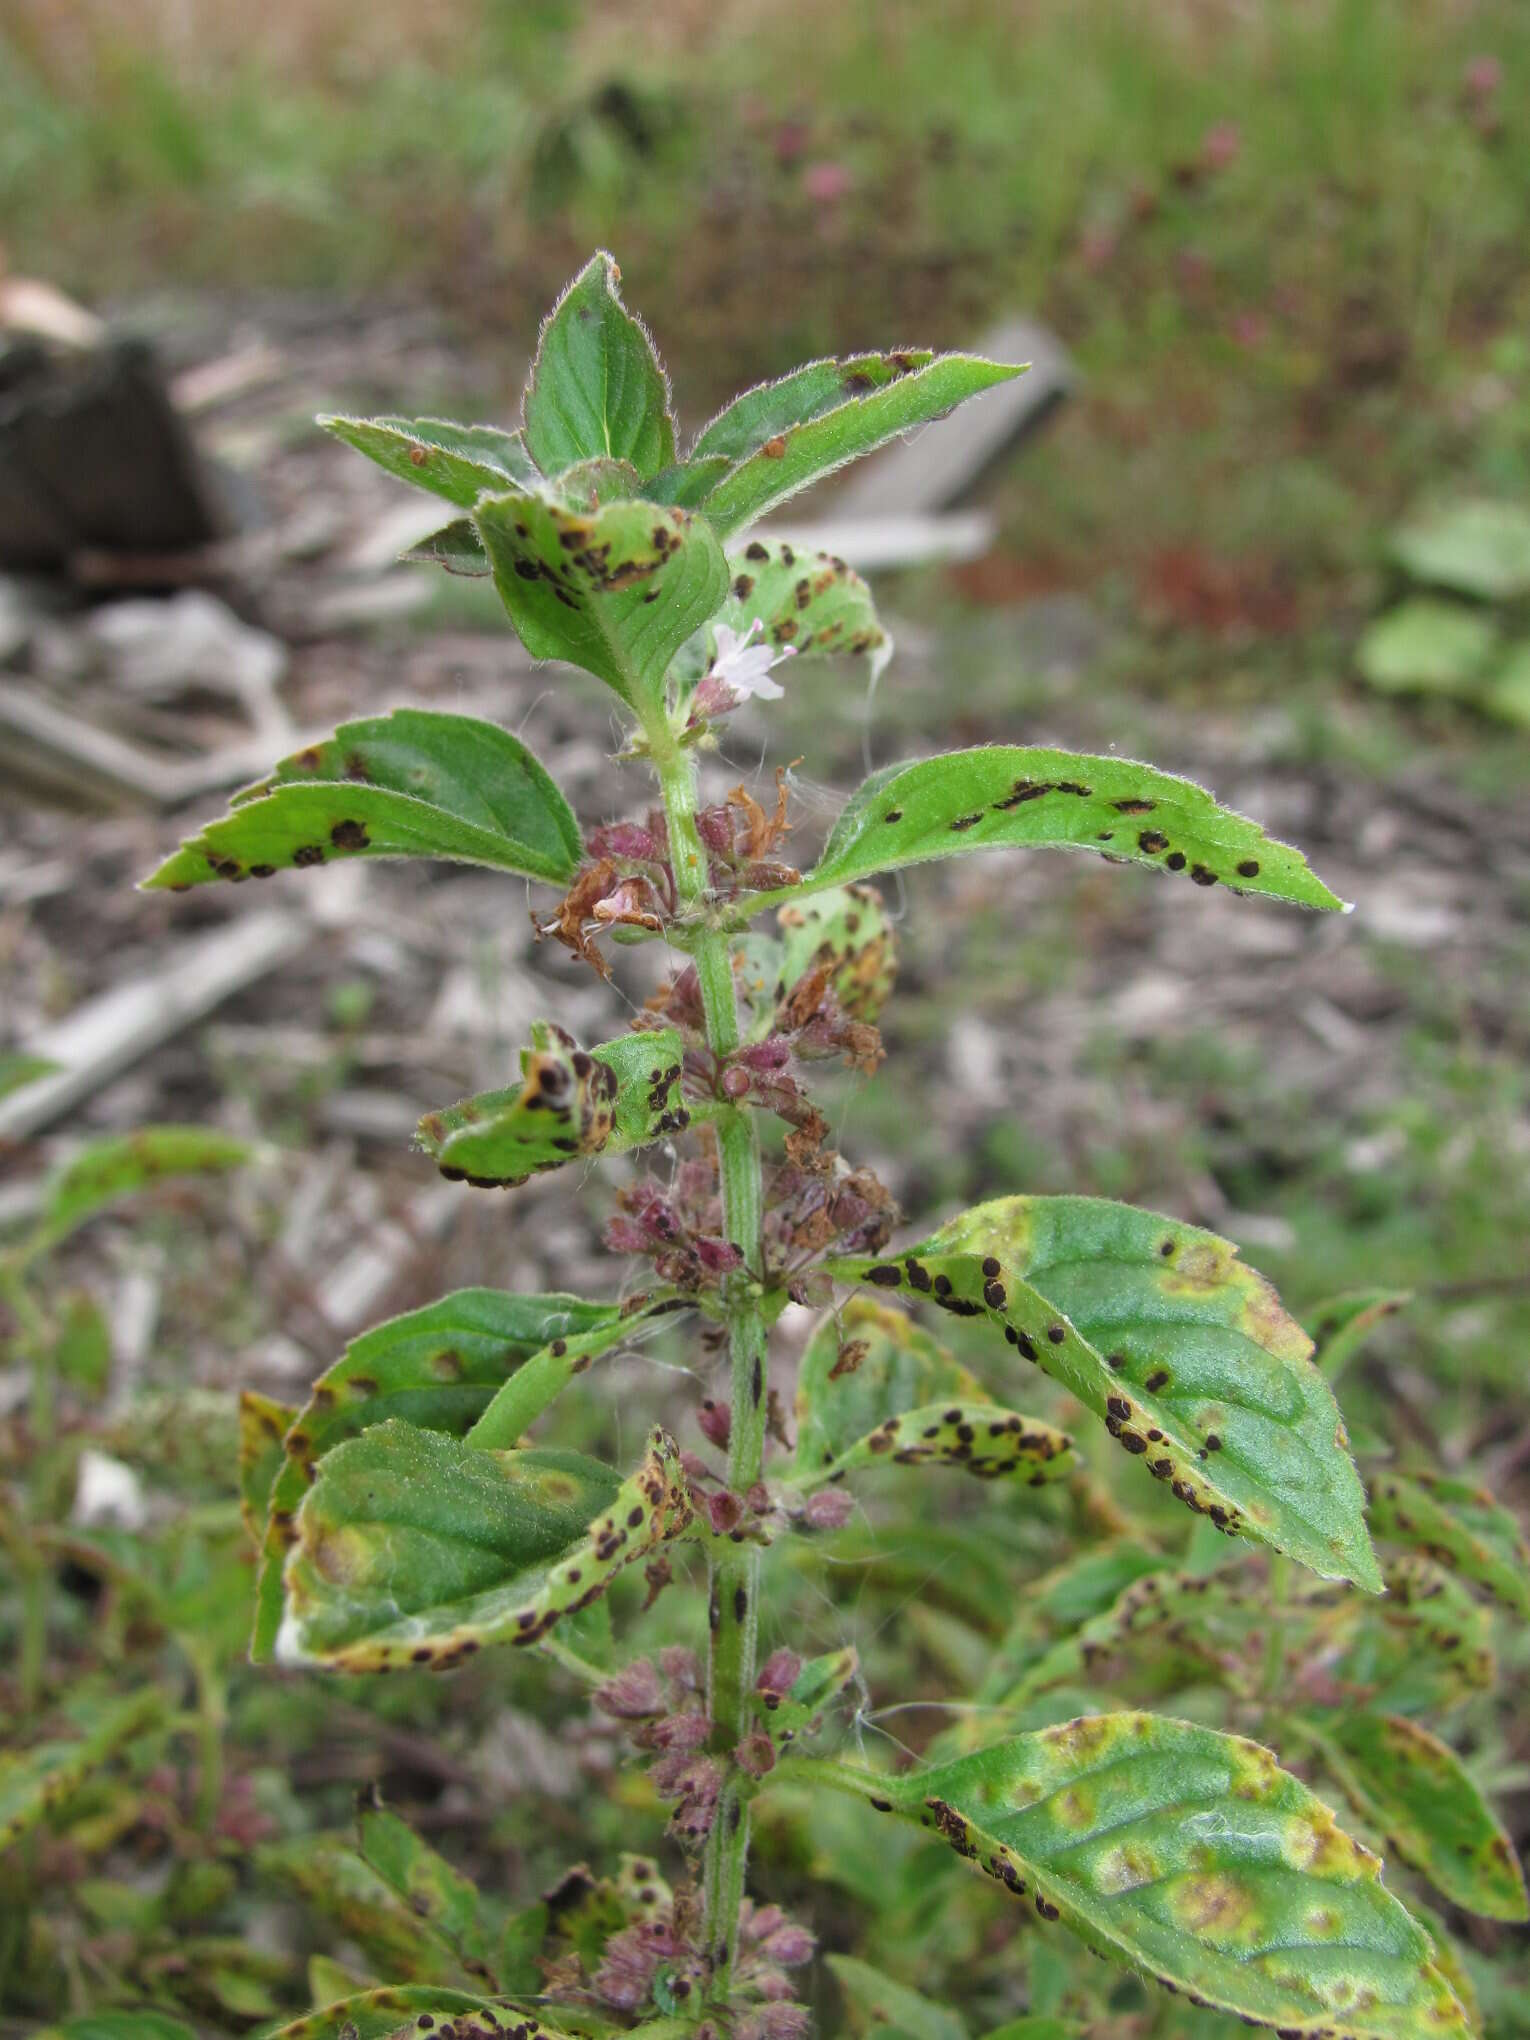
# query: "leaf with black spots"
[33,1782]
[1425,1646]
[439,1368]
[1004,796]
[1187,1356]
[413,783]
[572,1103]
[1190,1857]
[810,602]
[616,588]
[263,1426]
[875,1389]
[1414,1790]
[781,438]
[596,385]
[1459,1525]
[399,2009]
[456,462]
[413,1548]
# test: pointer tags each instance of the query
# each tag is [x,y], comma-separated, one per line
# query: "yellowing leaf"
[415,1549]
[874,1389]
[1187,1356]
[1415,1790]
[1192,1858]
[572,1103]
[438,1368]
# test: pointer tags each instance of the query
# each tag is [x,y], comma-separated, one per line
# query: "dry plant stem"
[735,1570]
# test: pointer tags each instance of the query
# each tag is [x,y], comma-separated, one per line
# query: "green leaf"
[810,601]
[596,384]
[1342,1324]
[1415,1790]
[1192,1858]
[413,783]
[263,1426]
[1422,1648]
[82,1352]
[571,1104]
[33,1782]
[874,1999]
[1172,1606]
[1006,797]
[380,2014]
[439,1369]
[1426,646]
[875,1389]
[118,2025]
[108,1170]
[1480,549]
[445,1902]
[1041,2028]
[334,1880]
[1055,1607]
[616,588]
[18,1070]
[687,482]
[817,1686]
[1507,694]
[457,462]
[772,464]
[456,547]
[415,1549]
[1187,1355]
[1459,1525]
[744,425]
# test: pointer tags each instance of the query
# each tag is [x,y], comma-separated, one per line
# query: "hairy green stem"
[733,1588]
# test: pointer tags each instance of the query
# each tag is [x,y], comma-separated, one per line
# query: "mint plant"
[411,1513]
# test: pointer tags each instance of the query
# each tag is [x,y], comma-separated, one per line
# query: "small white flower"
[745,666]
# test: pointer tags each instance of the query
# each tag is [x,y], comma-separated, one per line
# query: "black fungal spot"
[755,551]
[967,821]
[1152,841]
[1175,860]
[893,814]
[740,1603]
[1056,1334]
[1134,807]
[884,1277]
[1200,875]
[1159,1378]
[1249,868]
[307,854]
[349,836]
[743,585]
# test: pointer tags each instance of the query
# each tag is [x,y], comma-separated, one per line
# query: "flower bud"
[829,1509]
[715,1421]
[780,1672]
